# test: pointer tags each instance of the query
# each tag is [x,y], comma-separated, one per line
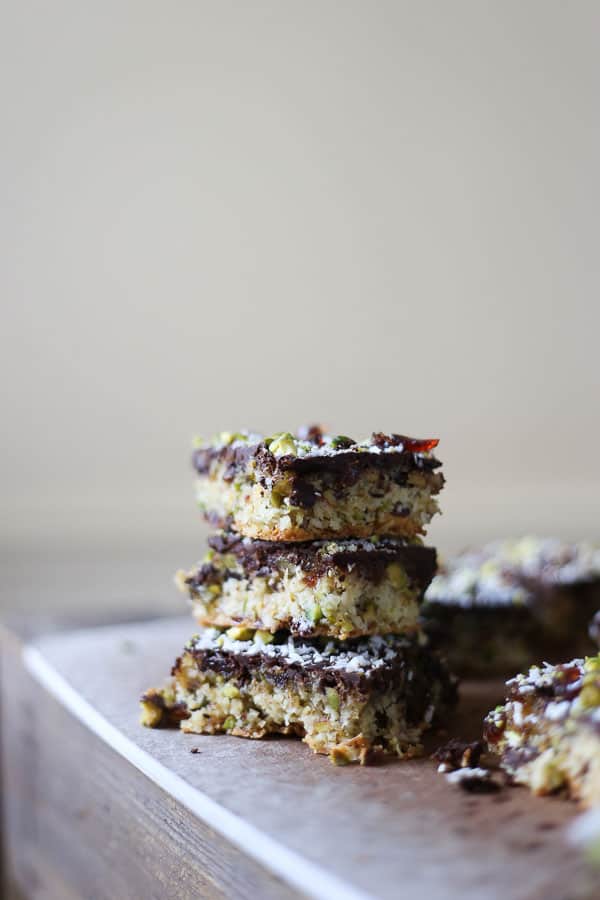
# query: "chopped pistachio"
[231,691]
[276,499]
[239,633]
[229,561]
[316,614]
[589,696]
[214,589]
[151,714]
[224,438]
[264,636]
[282,444]
[592,663]
[397,576]
[340,440]
[322,726]
[180,579]
[229,723]
[333,699]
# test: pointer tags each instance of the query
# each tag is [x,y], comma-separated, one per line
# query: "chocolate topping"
[260,558]
[412,671]
[336,460]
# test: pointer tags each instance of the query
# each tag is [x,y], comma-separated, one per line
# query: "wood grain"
[83,822]
[80,822]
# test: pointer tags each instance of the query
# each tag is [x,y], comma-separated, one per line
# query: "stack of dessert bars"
[308,597]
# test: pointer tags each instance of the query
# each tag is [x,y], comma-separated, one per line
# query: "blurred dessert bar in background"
[548,731]
[497,610]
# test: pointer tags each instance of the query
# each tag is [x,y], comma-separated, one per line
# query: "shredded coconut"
[364,657]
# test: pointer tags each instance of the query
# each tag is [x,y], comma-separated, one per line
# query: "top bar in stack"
[314,486]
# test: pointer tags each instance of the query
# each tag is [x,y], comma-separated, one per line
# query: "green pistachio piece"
[322,726]
[333,699]
[264,636]
[223,437]
[214,589]
[592,664]
[316,614]
[151,714]
[231,691]
[282,444]
[229,723]
[397,576]
[589,698]
[239,633]
[340,440]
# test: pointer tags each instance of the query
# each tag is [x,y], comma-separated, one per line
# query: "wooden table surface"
[97,806]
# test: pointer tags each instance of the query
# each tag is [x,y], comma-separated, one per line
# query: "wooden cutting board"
[104,808]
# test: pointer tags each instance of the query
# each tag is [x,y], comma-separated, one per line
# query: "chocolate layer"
[547,695]
[360,665]
[339,461]
[369,559]
[497,640]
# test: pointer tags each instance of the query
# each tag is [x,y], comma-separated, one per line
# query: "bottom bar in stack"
[347,699]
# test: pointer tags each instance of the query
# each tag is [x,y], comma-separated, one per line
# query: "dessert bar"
[496,610]
[344,588]
[346,699]
[548,731]
[314,486]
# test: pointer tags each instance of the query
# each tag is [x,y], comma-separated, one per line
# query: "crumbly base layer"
[344,728]
[374,504]
[337,604]
[556,761]
[347,722]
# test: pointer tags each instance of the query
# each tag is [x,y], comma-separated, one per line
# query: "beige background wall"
[377,215]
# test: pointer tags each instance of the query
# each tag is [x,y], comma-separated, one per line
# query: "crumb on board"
[474,780]
[458,754]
